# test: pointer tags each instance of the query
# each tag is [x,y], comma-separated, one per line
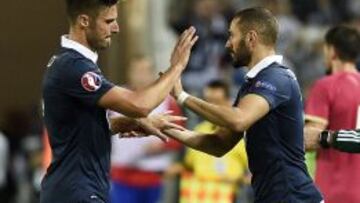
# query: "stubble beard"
[241,56]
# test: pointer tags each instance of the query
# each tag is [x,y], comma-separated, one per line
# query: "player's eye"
[109,21]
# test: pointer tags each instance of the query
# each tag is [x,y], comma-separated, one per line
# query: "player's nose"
[115,28]
[227,45]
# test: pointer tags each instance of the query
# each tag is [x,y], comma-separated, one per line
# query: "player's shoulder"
[276,70]
[70,57]
[66,59]
[277,73]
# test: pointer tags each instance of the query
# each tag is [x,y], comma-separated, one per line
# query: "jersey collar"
[264,63]
[71,44]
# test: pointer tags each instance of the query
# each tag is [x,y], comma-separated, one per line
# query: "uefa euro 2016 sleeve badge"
[91,81]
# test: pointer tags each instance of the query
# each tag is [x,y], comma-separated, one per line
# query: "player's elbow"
[142,106]
[145,112]
[219,153]
[142,111]
[219,150]
[223,148]
[238,125]
[137,110]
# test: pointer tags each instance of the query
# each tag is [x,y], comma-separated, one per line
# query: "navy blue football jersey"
[275,144]
[78,130]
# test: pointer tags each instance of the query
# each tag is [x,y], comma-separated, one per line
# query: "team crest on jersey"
[91,81]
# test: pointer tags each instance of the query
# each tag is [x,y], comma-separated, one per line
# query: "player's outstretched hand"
[181,53]
[154,124]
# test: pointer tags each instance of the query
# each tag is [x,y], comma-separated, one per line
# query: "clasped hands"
[155,125]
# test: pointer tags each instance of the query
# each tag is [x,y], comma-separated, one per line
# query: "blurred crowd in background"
[147,170]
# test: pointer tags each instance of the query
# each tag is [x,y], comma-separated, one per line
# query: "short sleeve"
[276,90]
[318,102]
[84,81]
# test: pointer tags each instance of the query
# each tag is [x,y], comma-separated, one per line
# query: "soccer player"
[333,104]
[76,96]
[268,111]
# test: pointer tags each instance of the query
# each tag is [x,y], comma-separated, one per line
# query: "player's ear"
[251,38]
[83,20]
[332,52]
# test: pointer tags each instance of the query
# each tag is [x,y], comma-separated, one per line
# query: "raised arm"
[141,103]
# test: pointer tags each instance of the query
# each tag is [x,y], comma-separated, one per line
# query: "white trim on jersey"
[71,44]
[264,63]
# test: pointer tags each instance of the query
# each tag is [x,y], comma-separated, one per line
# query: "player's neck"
[340,66]
[79,37]
[260,54]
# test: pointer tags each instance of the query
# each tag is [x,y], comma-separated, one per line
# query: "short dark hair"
[91,7]
[346,42]
[262,21]
[221,85]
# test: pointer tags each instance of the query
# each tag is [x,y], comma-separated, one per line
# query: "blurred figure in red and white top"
[333,104]
[137,164]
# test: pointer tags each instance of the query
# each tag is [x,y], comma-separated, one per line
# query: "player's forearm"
[228,117]
[152,96]
[210,144]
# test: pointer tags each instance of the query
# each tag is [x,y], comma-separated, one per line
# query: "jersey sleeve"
[275,90]
[347,141]
[85,82]
[318,103]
